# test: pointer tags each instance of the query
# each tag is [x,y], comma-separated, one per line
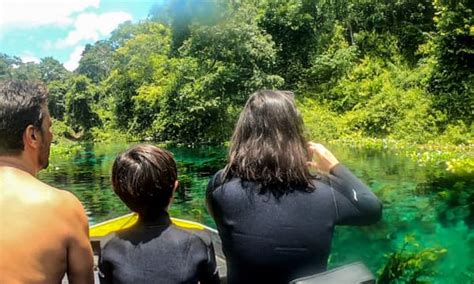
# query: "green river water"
[427,210]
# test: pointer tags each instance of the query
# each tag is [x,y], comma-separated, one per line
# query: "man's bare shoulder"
[62,196]
[70,211]
[23,189]
[66,202]
[56,196]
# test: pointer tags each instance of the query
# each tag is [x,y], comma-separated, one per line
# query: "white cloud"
[29,58]
[89,26]
[73,61]
[30,13]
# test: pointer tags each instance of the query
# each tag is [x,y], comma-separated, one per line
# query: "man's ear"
[31,137]
[176,185]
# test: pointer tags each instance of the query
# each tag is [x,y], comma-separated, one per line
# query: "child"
[153,250]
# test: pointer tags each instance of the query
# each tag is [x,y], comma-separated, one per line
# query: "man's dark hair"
[21,104]
[144,178]
[268,145]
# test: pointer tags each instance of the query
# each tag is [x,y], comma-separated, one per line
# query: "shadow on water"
[428,206]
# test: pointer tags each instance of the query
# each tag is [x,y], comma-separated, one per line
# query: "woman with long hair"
[275,218]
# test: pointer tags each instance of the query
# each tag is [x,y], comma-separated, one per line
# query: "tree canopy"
[397,69]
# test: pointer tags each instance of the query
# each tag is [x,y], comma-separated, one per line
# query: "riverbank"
[457,159]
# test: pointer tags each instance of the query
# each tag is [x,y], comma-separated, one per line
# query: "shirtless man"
[43,230]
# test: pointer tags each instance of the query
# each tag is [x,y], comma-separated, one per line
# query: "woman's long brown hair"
[268,145]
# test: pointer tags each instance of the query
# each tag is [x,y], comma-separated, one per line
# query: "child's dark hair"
[144,178]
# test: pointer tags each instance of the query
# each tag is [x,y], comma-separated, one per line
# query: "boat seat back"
[354,273]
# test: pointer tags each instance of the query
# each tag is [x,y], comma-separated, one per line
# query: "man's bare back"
[39,225]
[43,230]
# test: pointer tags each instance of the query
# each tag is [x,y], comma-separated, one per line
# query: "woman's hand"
[322,159]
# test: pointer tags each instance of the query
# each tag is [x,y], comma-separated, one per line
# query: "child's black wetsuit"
[158,252]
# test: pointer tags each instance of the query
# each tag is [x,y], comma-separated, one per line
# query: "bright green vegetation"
[399,70]
[426,234]
[410,263]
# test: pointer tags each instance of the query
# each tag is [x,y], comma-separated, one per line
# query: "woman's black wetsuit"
[274,240]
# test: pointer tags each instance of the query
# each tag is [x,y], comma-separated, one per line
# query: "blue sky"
[34,29]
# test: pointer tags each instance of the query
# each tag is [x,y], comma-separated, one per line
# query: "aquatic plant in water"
[411,264]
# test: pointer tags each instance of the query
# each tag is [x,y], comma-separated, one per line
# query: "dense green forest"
[400,70]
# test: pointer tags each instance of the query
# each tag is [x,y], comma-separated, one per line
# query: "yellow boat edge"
[102,229]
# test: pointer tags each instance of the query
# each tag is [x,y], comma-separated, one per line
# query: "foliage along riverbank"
[456,159]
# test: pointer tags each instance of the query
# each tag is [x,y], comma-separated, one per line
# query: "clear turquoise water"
[428,205]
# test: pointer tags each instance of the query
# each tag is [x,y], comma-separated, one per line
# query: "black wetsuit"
[158,252]
[274,240]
